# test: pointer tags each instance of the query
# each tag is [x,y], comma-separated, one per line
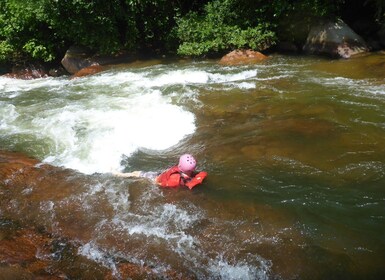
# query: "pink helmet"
[187,163]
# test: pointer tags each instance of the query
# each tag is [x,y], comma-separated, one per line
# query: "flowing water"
[294,148]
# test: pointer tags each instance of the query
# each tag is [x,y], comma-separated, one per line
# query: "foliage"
[44,29]
[90,23]
[5,50]
[19,23]
[220,28]
[293,19]
[255,24]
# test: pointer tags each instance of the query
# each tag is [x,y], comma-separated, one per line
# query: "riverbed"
[294,148]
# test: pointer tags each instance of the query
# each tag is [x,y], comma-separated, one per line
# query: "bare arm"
[127,175]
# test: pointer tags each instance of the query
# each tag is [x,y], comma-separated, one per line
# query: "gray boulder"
[77,58]
[334,38]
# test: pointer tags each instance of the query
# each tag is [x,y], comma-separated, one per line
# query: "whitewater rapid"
[88,124]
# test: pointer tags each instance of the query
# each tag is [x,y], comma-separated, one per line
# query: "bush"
[44,29]
[227,24]
[219,29]
[24,31]
[5,50]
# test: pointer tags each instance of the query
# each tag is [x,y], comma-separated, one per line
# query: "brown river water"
[294,148]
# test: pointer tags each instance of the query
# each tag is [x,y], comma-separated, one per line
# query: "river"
[294,148]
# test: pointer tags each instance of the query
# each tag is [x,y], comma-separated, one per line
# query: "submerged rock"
[28,72]
[334,38]
[91,70]
[238,57]
[32,254]
[47,204]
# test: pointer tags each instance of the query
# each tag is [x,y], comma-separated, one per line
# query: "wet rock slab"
[36,245]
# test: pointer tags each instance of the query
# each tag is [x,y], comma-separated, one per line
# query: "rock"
[15,272]
[57,72]
[28,254]
[238,57]
[34,71]
[132,271]
[335,39]
[93,69]
[27,72]
[21,247]
[31,254]
[77,58]
[34,243]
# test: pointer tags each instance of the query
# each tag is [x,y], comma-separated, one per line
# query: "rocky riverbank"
[331,38]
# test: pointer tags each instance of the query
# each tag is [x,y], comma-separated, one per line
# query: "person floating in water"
[182,174]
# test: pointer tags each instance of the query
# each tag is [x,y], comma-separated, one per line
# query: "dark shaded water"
[294,148]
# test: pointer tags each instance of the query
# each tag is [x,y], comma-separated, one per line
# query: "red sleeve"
[196,180]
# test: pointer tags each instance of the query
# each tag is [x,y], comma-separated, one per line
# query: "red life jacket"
[169,178]
[173,177]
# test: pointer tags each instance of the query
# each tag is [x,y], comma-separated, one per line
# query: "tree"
[44,29]
[222,26]
[19,21]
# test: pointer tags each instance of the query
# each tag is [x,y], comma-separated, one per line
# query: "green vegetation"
[221,27]
[44,29]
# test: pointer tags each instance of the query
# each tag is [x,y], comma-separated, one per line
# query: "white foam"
[374,89]
[244,85]
[165,221]
[92,132]
[13,87]
[93,252]
[88,124]
[8,115]
[222,269]
[184,77]
[355,86]
[97,139]
[157,225]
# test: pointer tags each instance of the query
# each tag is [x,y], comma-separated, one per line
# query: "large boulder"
[334,38]
[77,58]
[238,57]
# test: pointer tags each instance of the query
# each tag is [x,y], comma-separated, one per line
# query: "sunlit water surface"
[294,148]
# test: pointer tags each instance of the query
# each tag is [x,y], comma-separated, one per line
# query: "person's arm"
[196,180]
[127,175]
